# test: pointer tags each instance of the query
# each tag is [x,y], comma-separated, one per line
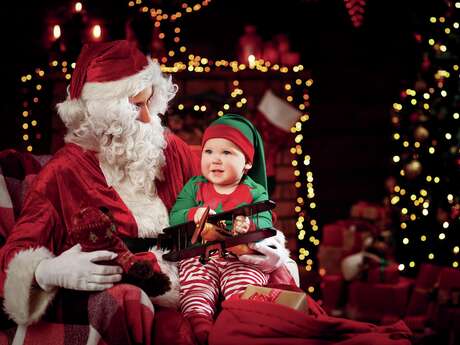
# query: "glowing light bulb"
[56,31]
[96,31]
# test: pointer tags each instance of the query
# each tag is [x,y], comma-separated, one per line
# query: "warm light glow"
[78,6]
[251,61]
[56,31]
[96,31]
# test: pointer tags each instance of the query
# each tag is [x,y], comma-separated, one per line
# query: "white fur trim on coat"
[24,302]
[170,298]
[150,213]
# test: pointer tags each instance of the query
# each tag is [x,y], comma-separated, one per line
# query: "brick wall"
[285,195]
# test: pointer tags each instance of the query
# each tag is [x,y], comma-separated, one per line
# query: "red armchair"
[17,171]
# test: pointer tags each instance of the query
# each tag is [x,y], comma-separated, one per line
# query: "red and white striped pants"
[200,284]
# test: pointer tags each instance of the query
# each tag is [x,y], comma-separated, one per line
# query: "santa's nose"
[144,114]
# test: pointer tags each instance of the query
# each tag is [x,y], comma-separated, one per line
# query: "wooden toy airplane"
[188,239]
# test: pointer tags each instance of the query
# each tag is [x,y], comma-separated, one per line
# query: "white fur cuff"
[24,302]
[170,298]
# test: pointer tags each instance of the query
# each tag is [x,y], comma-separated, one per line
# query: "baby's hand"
[199,213]
[241,224]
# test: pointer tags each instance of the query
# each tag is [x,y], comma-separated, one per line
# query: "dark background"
[358,73]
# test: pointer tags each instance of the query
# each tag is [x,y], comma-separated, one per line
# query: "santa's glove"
[274,254]
[77,270]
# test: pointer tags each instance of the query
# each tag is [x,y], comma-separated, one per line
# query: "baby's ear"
[247,166]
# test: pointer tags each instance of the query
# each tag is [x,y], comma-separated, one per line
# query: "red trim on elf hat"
[106,61]
[232,134]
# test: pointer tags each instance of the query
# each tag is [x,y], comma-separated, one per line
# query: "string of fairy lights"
[426,135]
[296,93]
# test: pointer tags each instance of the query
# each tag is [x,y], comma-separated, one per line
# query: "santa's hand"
[274,255]
[241,224]
[199,213]
[77,270]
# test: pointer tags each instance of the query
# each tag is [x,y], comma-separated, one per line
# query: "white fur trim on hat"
[24,302]
[171,298]
[126,87]
[73,111]
[279,112]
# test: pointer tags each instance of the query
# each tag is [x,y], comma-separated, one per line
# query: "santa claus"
[117,155]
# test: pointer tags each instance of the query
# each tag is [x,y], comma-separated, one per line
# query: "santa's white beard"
[132,150]
[135,155]
[130,155]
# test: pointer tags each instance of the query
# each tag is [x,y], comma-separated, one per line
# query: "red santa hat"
[110,70]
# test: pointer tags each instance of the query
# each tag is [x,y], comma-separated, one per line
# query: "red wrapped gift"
[348,234]
[332,235]
[371,302]
[384,274]
[293,299]
[331,289]
[329,259]
[370,211]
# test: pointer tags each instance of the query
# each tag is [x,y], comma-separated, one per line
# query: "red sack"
[264,323]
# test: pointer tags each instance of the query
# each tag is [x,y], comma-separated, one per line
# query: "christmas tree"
[425,193]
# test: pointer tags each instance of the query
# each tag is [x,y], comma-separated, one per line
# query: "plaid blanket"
[120,315]
[17,171]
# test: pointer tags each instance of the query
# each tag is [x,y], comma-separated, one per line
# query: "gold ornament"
[413,169]
[421,133]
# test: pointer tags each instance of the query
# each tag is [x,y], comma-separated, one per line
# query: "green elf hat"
[243,134]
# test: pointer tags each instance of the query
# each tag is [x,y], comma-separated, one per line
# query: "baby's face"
[222,162]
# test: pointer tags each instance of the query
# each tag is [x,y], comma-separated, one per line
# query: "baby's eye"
[207,151]
[227,152]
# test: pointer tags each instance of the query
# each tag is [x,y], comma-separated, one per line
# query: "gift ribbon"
[271,297]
